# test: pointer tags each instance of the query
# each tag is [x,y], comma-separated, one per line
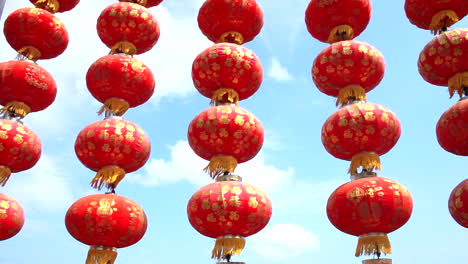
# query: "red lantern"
[229,211]
[145,3]
[361,133]
[225,135]
[458,203]
[370,208]
[120,82]
[333,21]
[20,149]
[347,70]
[128,28]
[105,222]
[444,61]
[234,21]
[35,33]
[11,217]
[435,15]
[227,73]
[112,147]
[25,87]
[54,6]
[452,129]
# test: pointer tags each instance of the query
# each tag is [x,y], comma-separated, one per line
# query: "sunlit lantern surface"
[11,217]
[452,129]
[458,203]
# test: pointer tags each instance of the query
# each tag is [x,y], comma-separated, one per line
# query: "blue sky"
[293,167]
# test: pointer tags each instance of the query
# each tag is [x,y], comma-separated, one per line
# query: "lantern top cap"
[228,177]
[364,174]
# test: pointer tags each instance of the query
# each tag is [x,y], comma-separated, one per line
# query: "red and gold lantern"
[55,6]
[227,73]
[145,3]
[452,129]
[370,208]
[112,147]
[11,217]
[234,21]
[458,203]
[333,21]
[105,222]
[347,70]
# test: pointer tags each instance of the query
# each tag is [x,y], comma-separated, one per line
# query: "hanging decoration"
[458,203]
[11,217]
[452,129]
[54,6]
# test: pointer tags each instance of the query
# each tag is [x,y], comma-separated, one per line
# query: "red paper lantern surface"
[11,217]
[332,21]
[458,203]
[234,21]
[20,148]
[444,60]
[25,87]
[128,28]
[452,129]
[120,82]
[227,73]
[145,3]
[55,5]
[35,33]
[347,70]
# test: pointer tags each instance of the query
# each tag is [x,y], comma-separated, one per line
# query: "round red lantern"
[458,203]
[225,135]
[234,21]
[11,217]
[20,148]
[54,6]
[145,3]
[361,132]
[227,73]
[443,61]
[347,70]
[435,15]
[120,82]
[452,129]
[112,147]
[333,21]
[105,222]
[35,33]
[128,28]
[229,211]
[25,87]
[370,208]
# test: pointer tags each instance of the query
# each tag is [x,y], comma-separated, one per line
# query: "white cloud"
[279,72]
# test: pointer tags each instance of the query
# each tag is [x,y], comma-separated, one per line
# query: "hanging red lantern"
[370,208]
[55,6]
[444,61]
[361,133]
[128,28]
[458,203]
[11,217]
[145,3]
[112,147]
[20,149]
[225,135]
[35,33]
[234,21]
[227,73]
[452,129]
[435,15]
[347,70]
[105,222]
[120,82]
[229,211]
[333,21]
[25,87]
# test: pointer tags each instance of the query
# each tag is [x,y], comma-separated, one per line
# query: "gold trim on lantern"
[52,6]
[224,96]
[231,37]
[5,173]
[228,246]
[457,82]
[101,255]
[373,244]
[123,47]
[110,176]
[349,93]
[367,160]
[30,52]
[18,108]
[114,106]
[340,33]
[442,20]
[220,164]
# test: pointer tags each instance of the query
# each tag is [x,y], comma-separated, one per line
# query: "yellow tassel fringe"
[220,164]
[351,92]
[52,6]
[5,173]
[115,106]
[18,108]
[366,160]
[443,19]
[30,52]
[231,37]
[98,255]
[227,246]
[457,82]
[109,176]
[340,33]
[223,96]
[373,244]
[123,47]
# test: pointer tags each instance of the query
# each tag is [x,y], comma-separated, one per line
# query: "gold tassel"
[223,96]
[115,106]
[457,82]
[18,108]
[340,33]
[351,92]
[123,47]
[5,173]
[101,255]
[231,37]
[228,245]
[373,244]
[30,52]
[367,160]
[140,2]
[442,20]
[220,164]
[52,6]
[109,176]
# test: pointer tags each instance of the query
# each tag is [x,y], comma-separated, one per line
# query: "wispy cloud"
[278,71]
